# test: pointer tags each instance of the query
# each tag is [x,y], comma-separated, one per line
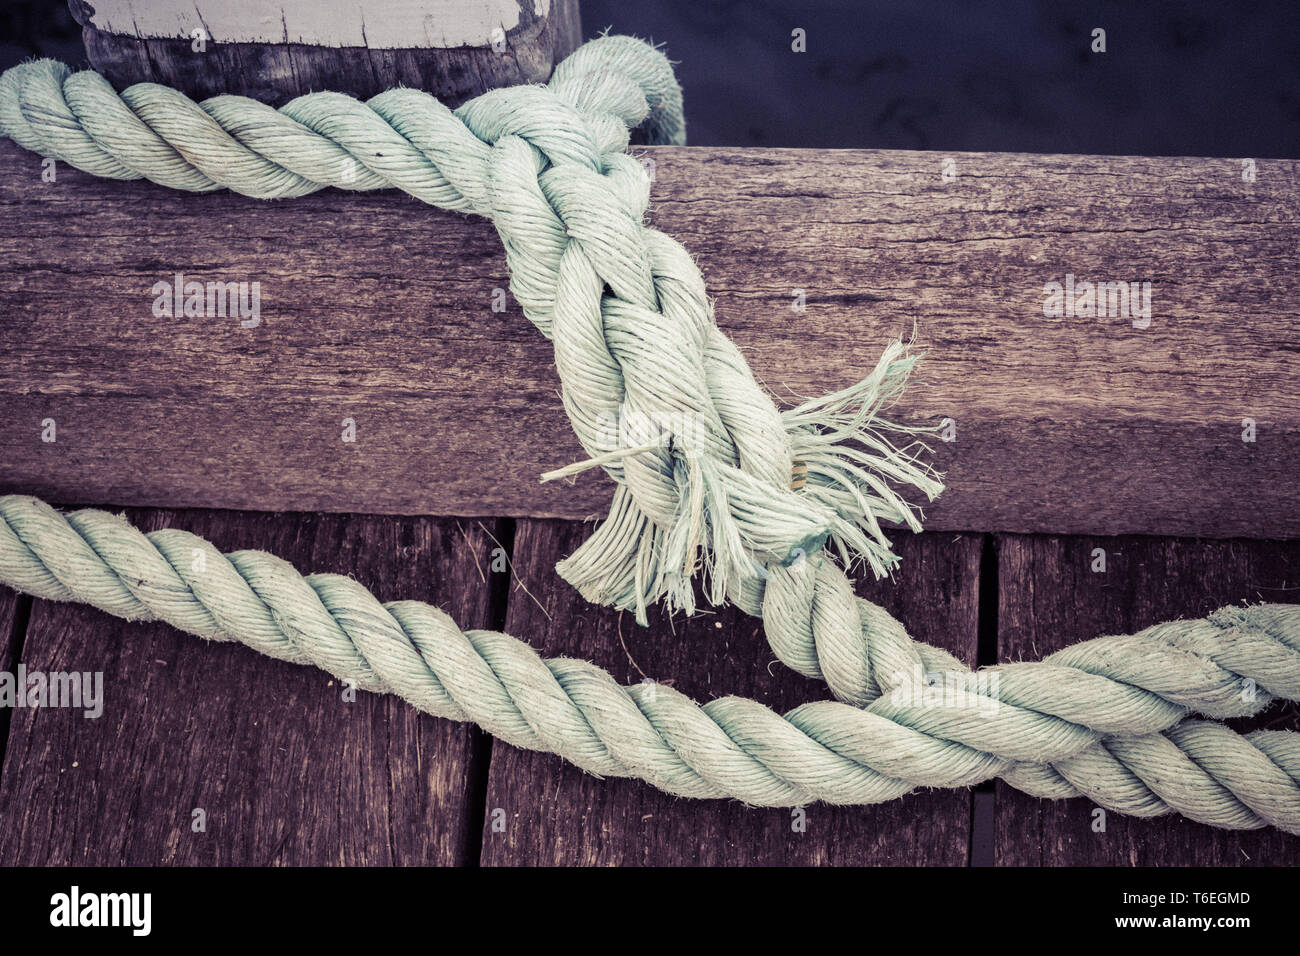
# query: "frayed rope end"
[857,465]
[850,463]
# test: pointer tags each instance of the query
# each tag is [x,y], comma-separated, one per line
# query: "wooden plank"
[287,771]
[553,813]
[14,610]
[1049,597]
[276,51]
[12,625]
[378,309]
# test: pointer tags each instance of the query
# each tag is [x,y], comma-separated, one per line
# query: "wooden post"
[274,50]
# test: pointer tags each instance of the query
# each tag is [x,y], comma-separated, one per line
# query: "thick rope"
[1103,718]
[707,497]
[635,342]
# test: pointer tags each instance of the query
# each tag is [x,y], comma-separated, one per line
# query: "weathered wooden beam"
[379,310]
[274,51]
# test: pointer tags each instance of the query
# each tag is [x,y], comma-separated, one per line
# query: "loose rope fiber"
[753,505]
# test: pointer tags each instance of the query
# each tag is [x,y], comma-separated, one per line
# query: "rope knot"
[712,501]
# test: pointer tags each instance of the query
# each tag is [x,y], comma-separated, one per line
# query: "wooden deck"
[288,772]
[379,311]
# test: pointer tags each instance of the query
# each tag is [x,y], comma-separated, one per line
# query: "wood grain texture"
[1049,597]
[340,54]
[378,24]
[12,625]
[554,814]
[377,308]
[14,610]
[287,771]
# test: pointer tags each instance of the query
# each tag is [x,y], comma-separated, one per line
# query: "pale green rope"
[635,341]
[1104,718]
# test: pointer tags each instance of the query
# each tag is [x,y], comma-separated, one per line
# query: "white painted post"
[277,49]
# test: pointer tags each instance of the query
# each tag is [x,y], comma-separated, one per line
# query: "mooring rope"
[753,503]
[1104,718]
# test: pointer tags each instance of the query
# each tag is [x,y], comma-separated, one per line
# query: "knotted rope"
[709,496]
[656,393]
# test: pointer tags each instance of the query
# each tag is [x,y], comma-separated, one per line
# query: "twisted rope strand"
[626,307]
[1096,720]
[635,342]
[547,165]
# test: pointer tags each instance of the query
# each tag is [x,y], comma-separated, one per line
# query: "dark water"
[1197,77]
[1188,78]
